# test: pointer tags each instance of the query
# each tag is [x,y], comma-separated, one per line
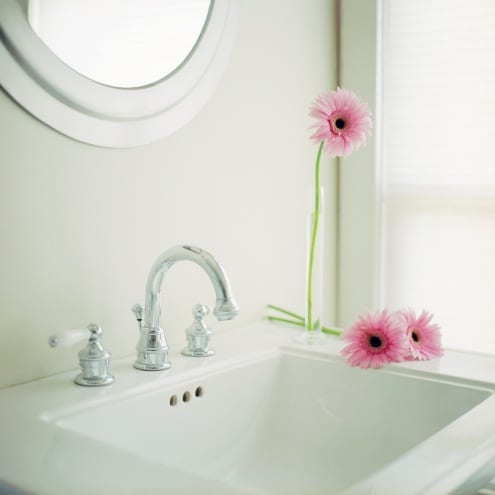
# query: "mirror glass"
[120,43]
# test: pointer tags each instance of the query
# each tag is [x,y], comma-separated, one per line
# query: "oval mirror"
[122,43]
[114,73]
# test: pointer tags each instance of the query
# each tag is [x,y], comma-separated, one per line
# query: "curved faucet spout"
[226,307]
[152,346]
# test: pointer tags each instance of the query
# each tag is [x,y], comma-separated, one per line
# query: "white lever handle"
[67,338]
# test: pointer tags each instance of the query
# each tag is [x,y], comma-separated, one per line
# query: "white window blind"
[438,164]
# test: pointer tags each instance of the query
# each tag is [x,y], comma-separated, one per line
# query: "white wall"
[81,226]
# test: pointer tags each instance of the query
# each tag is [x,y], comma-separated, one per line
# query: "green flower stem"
[299,323]
[331,331]
[316,217]
[285,320]
[298,319]
[284,311]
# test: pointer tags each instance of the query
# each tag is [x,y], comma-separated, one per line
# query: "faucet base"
[197,352]
[93,381]
[151,367]
[152,350]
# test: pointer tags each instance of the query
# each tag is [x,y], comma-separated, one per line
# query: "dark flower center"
[414,336]
[375,341]
[340,123]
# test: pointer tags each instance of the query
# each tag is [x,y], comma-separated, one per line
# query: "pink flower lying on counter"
[375,339]
[422,336]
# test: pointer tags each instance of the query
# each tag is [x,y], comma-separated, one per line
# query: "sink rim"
[210,368]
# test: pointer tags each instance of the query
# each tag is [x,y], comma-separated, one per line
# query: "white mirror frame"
[103,115]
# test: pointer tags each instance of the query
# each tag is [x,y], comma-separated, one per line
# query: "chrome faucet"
[152,348]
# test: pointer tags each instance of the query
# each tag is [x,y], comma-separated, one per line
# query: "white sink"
[276,419]
[289,423]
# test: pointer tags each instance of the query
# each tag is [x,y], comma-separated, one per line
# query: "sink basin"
[265,417]
[290,422]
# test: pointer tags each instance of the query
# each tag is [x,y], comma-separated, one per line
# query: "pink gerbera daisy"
[375,339]
[423,337]
[343,121]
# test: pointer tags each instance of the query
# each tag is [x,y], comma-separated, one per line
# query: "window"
[432,185]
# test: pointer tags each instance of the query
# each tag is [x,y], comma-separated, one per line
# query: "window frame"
[360,213]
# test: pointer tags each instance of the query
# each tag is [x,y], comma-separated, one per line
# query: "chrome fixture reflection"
[152,348]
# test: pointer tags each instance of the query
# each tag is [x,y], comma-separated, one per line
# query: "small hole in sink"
[199,392]
[173,400]
[186,397]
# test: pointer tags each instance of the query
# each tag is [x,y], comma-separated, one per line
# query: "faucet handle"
[199,311]
[93,359]
[198,335]
[66,338]
[138,310]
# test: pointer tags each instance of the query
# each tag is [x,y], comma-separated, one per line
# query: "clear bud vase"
[314,274]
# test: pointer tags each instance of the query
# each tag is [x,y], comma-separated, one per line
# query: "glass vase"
[312,333]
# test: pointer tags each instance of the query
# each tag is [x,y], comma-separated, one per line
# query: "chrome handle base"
[198,335]
[93,359]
